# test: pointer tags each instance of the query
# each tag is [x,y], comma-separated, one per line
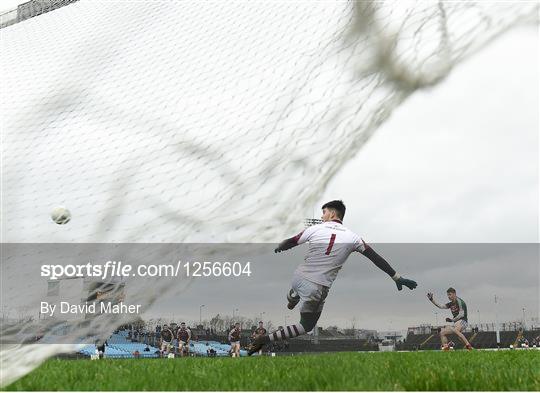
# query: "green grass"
[478,370]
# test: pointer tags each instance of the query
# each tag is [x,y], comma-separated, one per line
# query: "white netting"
[31,9]
[179,121]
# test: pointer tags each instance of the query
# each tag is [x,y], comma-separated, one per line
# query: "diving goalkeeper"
[330,244]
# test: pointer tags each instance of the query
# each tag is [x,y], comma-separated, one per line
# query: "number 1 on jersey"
[331,244]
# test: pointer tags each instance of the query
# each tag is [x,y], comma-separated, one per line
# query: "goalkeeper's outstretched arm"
[288,243]
[381,263]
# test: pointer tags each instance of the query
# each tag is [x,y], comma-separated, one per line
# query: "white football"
[61,215]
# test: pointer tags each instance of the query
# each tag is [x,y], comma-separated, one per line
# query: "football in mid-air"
[61,215]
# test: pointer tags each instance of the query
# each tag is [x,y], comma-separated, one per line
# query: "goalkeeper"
[330,244]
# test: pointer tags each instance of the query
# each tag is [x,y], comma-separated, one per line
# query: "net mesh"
[182,122]
[30,9]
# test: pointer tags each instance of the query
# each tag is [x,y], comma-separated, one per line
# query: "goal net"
[177,122]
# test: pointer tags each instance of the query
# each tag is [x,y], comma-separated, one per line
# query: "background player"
[330,244]
[260,331]
[459,312]
[184,336]
[166,338]
[234,339]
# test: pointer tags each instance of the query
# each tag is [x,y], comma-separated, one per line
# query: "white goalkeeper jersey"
[330,244]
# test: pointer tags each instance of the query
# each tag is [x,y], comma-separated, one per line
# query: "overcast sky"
[459,162]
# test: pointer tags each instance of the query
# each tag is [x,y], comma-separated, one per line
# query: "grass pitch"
[458,371]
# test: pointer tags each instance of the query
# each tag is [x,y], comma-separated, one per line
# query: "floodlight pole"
[497,332]
[200,314]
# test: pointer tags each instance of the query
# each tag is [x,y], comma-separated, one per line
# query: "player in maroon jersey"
[260,331]
[234,339]
[184,337]
[166,339]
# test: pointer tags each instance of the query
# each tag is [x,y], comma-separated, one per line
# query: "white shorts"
[312,295]
[461,324]
[233,343]
[165,346]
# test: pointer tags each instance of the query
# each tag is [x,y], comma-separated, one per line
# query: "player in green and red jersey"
[459,312]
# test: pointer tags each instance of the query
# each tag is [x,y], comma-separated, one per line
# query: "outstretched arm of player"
[288,243]
[381,263]
[430,297]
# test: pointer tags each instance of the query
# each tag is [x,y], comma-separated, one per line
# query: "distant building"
[82,291]
[422,329]
[391,335]
[365,334]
